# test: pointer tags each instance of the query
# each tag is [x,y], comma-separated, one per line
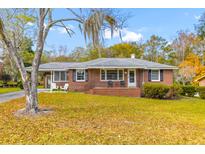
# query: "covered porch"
[116,82]
[55,79]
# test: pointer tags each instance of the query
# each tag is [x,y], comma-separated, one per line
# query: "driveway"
[13,95]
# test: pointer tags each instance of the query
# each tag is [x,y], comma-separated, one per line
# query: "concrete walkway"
[13,95]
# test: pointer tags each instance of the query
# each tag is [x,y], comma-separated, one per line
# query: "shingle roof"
[121,63]
[54,66]
[106,63]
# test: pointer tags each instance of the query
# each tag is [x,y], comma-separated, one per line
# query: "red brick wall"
[94,79]
[131,92]
[167,79]
[139,77]
[76,86]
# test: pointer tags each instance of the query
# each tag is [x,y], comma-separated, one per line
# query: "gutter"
[105,67]
[44,70]
[157,68]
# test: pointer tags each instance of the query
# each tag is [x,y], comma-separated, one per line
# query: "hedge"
[8,84]
[174,91]
[188,90]
[201,91]
[155,90]
[12,84]
[1,83]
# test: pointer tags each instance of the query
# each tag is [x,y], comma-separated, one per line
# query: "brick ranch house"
[106,76]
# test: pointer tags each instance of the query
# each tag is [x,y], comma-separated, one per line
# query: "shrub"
[12,84]
[188,90]
[155,90]
[1,83]
[174,91]
[6,78]
[201,91]
[20,85]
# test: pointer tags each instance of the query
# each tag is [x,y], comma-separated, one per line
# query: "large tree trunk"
[20,65]
[42,33]
[28,96]
[29,85]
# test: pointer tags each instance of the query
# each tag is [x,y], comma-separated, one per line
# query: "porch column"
[51,80]
[142,76]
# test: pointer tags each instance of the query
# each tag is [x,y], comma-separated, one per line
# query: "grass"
[40,86]
[87,119]
[7,90]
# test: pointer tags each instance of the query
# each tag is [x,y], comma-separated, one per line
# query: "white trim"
[116,67]
[53,69]
[122,74]
[158,75]
[126,67]
[161,68]
[128,76]
[117,75]
[47,70]
[66,75]
[142,76]
[76,78]
[102,67]
[107,67]
[101,76]
[46,82]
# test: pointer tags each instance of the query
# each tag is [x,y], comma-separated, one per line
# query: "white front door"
[131,78]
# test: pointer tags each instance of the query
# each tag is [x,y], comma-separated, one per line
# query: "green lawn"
[87,119]
[40,86]
[7,90]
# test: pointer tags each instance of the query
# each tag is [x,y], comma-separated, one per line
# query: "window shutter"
[161,75]
[86,75]
[149,75]
[74,75]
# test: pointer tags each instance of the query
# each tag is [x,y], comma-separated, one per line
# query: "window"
[56,76]
[80,75]
[102,74]
[155,75]
[63,76]
[112,75]
[120,74]
[60,76]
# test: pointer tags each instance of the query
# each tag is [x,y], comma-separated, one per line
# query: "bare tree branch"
[75,14]
[63,20]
